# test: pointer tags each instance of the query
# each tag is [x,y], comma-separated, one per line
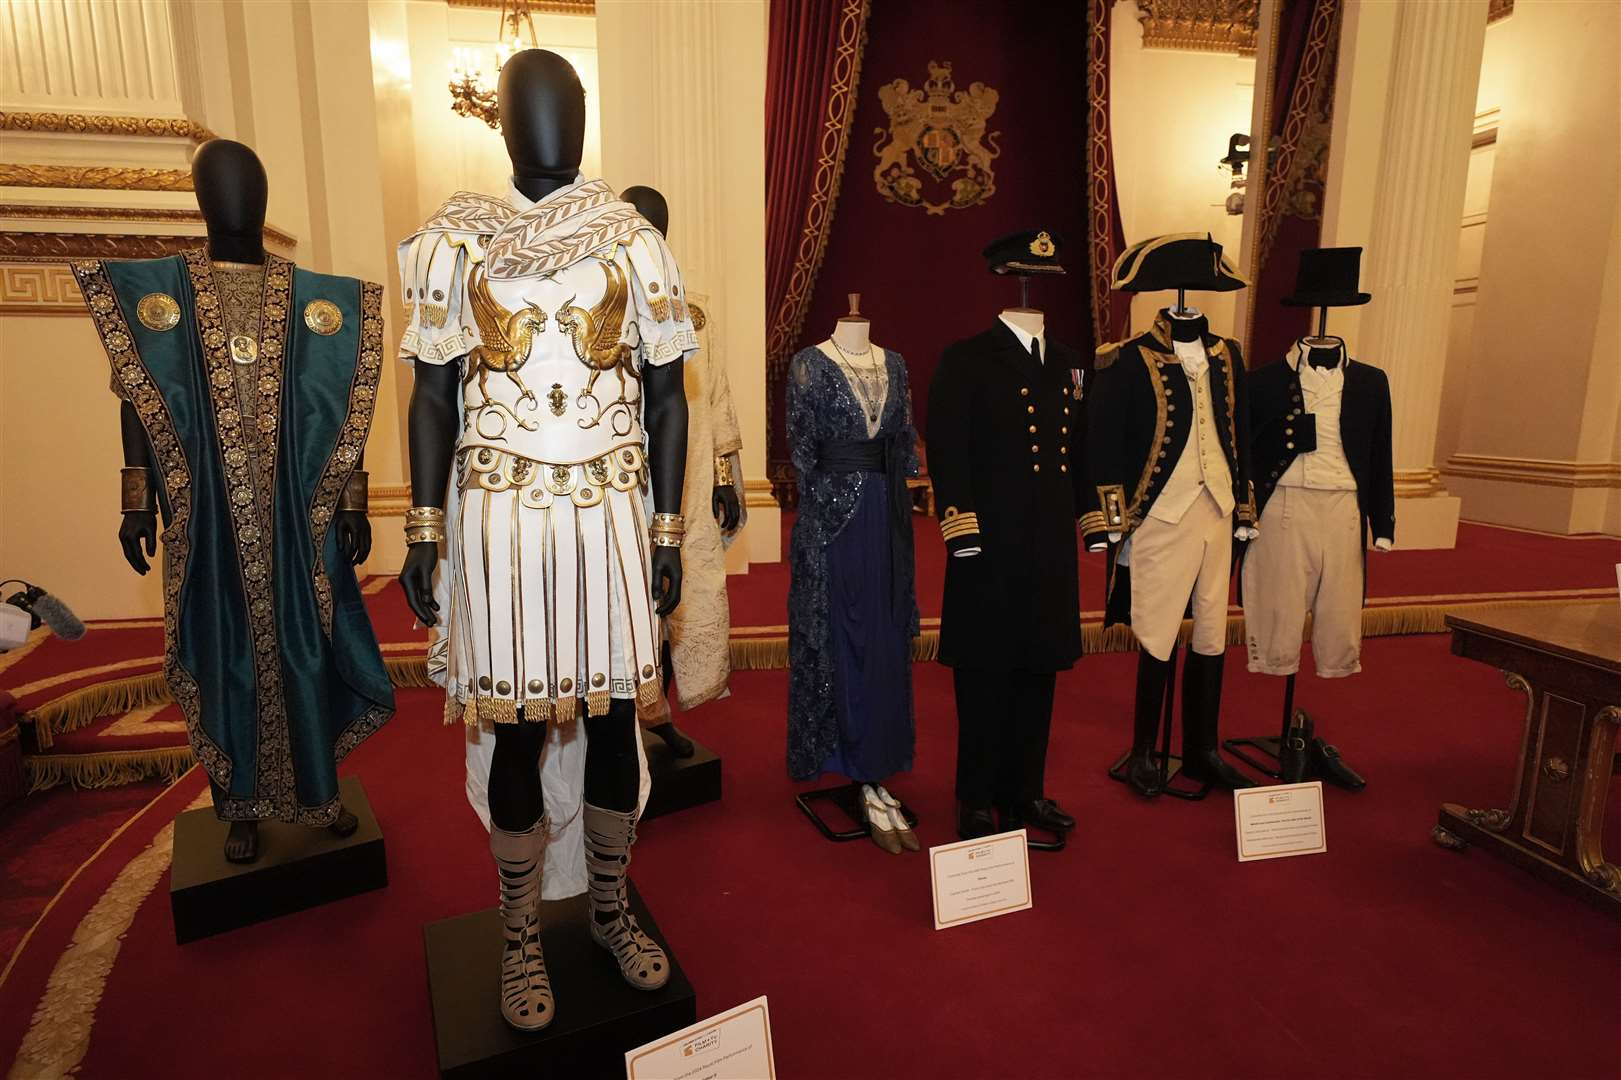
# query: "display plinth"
[599,1015]
[298,867]
[680,783]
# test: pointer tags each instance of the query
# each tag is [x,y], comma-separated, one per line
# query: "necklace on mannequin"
[866,391]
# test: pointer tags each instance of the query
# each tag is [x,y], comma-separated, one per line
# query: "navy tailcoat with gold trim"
[1004,445]
[1139,416]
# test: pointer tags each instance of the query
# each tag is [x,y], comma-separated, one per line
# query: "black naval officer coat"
[1365,433]
[1004,441]
[1139,414]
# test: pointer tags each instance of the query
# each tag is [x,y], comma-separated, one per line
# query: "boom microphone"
[59,617]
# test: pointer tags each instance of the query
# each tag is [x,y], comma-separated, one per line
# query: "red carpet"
[1150,950]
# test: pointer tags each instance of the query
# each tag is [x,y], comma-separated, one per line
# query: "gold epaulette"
[1106,355]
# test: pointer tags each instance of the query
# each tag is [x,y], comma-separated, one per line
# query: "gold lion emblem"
[936,140]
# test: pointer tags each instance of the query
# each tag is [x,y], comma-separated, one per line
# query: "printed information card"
[736,1045]
[980,879]
[1274,822]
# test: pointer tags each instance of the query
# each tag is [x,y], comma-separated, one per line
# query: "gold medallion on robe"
[323,317]
[158,311]
[244,350]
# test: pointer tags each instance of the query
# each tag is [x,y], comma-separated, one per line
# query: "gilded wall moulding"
[86,124]
[936,143]
[1499,9]
[95,177]
[61,246]
[39,289]
[536,7]
[1225,26]
[275,238]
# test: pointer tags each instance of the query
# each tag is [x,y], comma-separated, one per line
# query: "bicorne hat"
[1178,261]
[1034,252]
[1328,277]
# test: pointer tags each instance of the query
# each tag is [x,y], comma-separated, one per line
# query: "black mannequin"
[723,501]
[232,191]
[543,122]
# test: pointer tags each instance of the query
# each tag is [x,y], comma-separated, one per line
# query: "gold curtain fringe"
[112,768]
[409,672]
[85,706]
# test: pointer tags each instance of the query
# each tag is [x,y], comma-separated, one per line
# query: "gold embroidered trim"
[250,513]
[1134,514]
[340,465]
[169,462]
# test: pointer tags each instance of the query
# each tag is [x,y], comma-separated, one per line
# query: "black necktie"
[1035,350]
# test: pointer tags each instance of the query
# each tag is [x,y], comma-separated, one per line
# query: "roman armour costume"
[255,387]
[554,309]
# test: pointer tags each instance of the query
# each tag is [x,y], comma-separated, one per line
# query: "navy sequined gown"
[852,606]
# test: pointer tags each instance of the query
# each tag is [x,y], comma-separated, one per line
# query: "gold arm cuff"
[424,534]
[1112,500]
[135,491]
[669,540]
[356,493]
[957,528]
[723,472]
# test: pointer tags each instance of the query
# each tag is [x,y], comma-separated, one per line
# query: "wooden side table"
[1567,663]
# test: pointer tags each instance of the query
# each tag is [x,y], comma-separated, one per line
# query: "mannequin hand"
[666,579]
[354,535]
[728,511]
[140,527]
[416,578]
[1383,543]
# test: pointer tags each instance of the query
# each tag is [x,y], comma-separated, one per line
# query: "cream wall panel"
[107,56]
[60,454]
[1172,112]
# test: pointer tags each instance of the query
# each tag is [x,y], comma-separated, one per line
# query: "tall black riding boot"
[1142,771]
[1201,708]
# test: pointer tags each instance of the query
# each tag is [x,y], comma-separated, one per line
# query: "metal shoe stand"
[1269,747]
[847,799]
[1169,767]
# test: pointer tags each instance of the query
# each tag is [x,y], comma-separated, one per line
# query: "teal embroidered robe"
[267,645]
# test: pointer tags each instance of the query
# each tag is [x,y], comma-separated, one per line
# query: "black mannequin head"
[542,120]
[651,205]
[231,187]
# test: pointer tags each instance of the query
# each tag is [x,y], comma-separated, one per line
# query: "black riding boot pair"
[1201,709]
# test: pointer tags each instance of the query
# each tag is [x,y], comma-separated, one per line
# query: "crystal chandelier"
[469,96]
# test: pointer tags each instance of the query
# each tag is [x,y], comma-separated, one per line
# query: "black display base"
[1266,745]
[599,1015]
[679,783]
[298,867]
[1170,769]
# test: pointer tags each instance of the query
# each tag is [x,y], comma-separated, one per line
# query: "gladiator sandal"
[526,989]
[609,835]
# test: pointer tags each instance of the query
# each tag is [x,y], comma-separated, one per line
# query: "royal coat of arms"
[936,153]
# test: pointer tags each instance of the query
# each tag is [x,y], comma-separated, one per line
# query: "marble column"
[1418,191]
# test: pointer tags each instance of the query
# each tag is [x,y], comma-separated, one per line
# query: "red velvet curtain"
[812,75]
[1111,311]
[1291,213]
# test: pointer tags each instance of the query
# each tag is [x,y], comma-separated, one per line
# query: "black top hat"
[1328,277]
[1026,253]
[1178,261]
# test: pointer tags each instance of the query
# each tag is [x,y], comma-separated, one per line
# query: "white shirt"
[1025,337]
[1325,468]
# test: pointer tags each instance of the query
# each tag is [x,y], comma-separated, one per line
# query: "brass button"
[483,682]
[1170,423]
[1024,391]
[1032,429]
[1063,468]
[647,671]
[1066,410]
[598,680]
[1288,431]
[1029,408]
[1063,449]
[1170,408]
[1063,431]
[536,686]
[1162,454]
[1157,468]
[1035,449]
[1290,446]
[565,686]
[503,687]
[1165,441]
[1035,468]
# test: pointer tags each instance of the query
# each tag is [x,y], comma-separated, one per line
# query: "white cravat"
[1192,356]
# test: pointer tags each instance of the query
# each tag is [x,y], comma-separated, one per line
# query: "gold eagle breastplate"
[554,377]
